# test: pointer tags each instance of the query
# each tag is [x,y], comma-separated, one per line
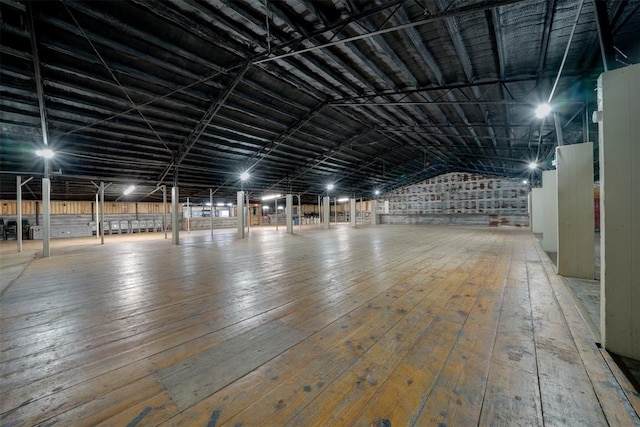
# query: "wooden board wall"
[9,208]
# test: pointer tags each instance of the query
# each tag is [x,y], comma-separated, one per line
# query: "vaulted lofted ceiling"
[360,93]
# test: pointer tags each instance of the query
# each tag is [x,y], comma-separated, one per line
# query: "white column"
[164,210]
[289,212]
[101,229]
[619,109]
[240,216]
[299,212]
[97,216]
[211,210]
[19,212]
[175,216]
[326,212]
[374,212]
[46,217]
[537,210]
[575,210]
[550,219]
[352,213]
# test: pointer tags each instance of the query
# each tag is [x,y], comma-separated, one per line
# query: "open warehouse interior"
[343,212]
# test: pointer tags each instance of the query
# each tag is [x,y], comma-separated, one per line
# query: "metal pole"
[559,138]
[566,52]
[97,216]
[19,212]
[164,210]
[335,209]
[175,221]
[299,212]
[276,214]
[46,185]
[240,214]
[211,210]
[101,229]
[46,217]
[248,212]
[289,212]
[188,216]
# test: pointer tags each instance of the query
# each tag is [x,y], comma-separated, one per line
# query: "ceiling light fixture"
[129,190]
[343,199]
[244,176]
[330,187]
[377,192]
[271,197]
[533,165]
[47,153]
[543,110]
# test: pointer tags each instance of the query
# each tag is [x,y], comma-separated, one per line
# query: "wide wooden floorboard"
[385,325]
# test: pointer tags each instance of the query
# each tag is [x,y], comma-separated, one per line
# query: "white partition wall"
[326,212]
[619,131]
[537,210]
[575,210]
[550,214]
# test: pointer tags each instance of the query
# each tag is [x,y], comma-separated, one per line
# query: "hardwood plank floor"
[384,325]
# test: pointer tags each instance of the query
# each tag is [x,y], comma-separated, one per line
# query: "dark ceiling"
[361,93]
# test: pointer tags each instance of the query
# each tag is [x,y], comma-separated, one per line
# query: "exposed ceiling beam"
[605,38]
[199,128]
[478,7]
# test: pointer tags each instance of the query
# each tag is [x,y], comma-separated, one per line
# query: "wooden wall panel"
[9,207]
[70,208]
[58,207]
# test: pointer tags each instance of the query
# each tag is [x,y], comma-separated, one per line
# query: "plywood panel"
[550,219]
[537,210]
[575,210]
[619,102]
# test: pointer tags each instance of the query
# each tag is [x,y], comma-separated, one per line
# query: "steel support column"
[97,215]
[175,219]
[326,212]
[101,225]
[240,216]
[211,210]
[605,38]
[164,210]
[19,212]
[289,212]
[352,212]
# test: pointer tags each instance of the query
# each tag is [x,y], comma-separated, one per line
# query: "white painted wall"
[550,212]
[619,131]
[537,210]
[574,171]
